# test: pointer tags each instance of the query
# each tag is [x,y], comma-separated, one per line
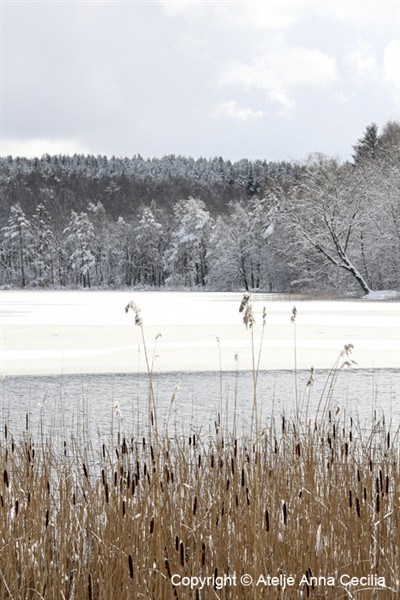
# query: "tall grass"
[309,500]
[119,524]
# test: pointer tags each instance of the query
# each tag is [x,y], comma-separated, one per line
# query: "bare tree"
[324,209]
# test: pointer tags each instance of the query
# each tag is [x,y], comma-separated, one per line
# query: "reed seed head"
[134,307]
[246,307]
[311,378]
[294,314]
[174,394]
[347,350]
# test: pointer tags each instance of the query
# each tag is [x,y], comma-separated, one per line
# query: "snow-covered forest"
[85,221]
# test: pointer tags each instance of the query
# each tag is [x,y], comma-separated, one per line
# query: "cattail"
[168,568]
[106,492]
[130,564]
[358,507]
[294,314]
[266,520]
[90,586]
[194,506]
[284,510]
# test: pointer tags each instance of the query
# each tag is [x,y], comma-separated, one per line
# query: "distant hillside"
[122,185]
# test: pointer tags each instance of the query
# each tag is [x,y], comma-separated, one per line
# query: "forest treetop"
[213,223]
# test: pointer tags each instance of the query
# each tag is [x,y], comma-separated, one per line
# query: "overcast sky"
[274,80]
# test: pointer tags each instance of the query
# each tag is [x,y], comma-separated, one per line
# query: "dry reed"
[131,521]
[305,508]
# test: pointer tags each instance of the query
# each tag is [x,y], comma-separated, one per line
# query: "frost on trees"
[44,248]
[239,249]
[149,245]
[16,247]
[80,238]
[185,259]
[325,210]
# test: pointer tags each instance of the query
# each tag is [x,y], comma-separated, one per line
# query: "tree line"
[180,223]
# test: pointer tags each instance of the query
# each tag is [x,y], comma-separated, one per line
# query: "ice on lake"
[72,355]
[64,332]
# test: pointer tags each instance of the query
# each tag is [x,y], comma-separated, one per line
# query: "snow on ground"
[382,295]
[57,332]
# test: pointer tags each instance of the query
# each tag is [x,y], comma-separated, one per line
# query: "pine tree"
[80,239]
[17,238]
[367,146]
[44,249]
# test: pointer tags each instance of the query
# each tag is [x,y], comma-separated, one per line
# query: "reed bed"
[316,503]
[305,507]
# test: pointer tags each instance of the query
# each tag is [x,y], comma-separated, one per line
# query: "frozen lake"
[71,356]
[63,332]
